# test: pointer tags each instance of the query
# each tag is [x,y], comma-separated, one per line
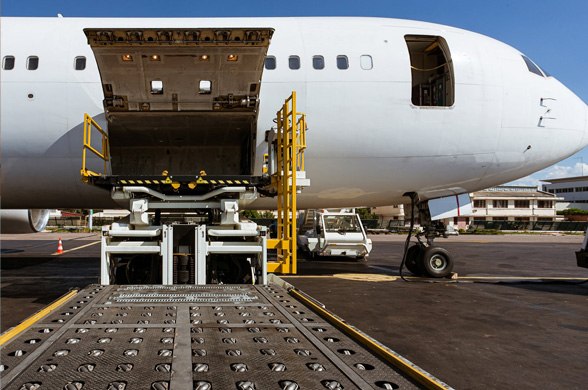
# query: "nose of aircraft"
[585,125]
[585,137]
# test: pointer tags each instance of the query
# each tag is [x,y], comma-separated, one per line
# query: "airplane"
[396,108]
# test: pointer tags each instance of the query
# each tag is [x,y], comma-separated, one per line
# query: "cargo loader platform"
[197,337]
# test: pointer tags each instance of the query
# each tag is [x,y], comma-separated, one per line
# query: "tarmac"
[515,318]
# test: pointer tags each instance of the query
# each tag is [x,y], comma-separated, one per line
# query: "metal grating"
[234,337]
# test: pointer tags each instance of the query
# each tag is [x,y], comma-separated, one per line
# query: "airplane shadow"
[551,287]
[7,264]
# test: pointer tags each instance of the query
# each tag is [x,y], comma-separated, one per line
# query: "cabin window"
[270,62]
[532,67]
[32,63]
[8,63]
[342,62]
[366,62]
[294,62]
[318,62]
[80,63]
[433,83]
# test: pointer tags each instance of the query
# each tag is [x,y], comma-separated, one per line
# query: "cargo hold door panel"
[181,100]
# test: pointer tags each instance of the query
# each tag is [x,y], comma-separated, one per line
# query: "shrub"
[573,212]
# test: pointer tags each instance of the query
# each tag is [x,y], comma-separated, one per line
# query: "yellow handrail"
[291,142]
[104,155]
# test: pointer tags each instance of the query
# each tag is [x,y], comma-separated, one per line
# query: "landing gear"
[425,258]
[432,261]
[435,262]
[411,259]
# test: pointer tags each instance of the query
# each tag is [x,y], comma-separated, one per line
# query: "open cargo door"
[181,100]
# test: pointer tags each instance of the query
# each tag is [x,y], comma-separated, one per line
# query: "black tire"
[306,255]
[435,262]
[411,259]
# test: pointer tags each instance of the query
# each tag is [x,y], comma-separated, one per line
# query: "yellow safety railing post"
[290,145]
[292,191]
[104,154]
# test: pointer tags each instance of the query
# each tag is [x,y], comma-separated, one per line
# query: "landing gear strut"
[425,258]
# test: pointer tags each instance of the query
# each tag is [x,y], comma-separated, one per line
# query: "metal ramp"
[194,337]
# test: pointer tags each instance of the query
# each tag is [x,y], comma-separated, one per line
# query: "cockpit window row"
[533,68]
[318,62]
[32,63]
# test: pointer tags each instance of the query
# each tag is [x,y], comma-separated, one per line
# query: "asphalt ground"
[516,317]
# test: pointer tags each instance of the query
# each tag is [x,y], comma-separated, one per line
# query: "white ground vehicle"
[333,233]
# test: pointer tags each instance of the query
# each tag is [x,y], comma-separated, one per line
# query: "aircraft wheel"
[435,262]
[411,259]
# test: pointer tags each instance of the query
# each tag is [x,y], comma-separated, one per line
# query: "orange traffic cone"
[59,247]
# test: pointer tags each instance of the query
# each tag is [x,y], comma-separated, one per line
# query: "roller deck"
[194,337]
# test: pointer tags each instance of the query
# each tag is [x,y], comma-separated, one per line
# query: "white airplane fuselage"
[368,144]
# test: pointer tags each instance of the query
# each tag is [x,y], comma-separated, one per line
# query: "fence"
[374,225]
[562,226]
[370,225]
[77,222]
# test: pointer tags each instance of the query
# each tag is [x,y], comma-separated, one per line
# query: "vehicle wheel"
[306,255]
[411,259]
[360,258]
[435,262]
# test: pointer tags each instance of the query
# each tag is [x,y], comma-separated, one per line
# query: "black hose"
[407,242]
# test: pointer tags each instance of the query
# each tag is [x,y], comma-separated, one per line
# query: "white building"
[502,203]
[513,203]
[572,192]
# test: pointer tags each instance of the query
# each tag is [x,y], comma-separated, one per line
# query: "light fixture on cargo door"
[233,57]
[155,57]
[205,87]
[204,57]
[127,57]
[157,87]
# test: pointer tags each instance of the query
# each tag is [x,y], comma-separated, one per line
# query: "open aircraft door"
[181,100]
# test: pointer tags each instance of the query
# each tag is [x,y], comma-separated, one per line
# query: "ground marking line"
[52,242]
[75,249]
[459,278]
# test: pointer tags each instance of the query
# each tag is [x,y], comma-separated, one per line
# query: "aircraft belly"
[48,182]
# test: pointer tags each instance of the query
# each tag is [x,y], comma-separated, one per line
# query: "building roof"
[514,194]
[566,179]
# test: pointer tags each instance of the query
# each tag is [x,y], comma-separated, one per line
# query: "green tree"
[250,214]
[365,213]
[573,212]
[267,214]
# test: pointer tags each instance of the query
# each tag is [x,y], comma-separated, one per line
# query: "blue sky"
[552,33]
